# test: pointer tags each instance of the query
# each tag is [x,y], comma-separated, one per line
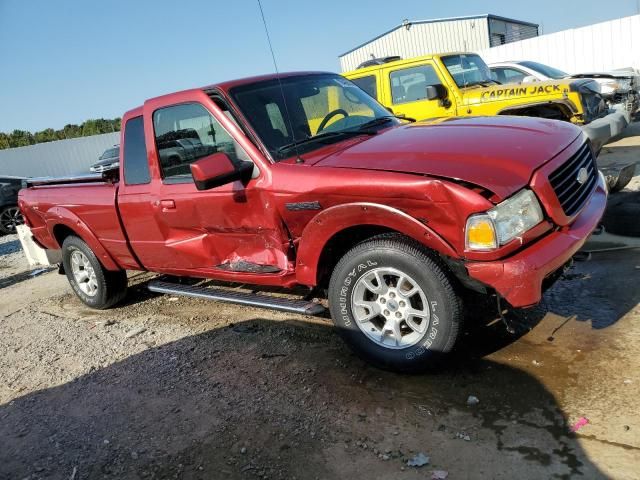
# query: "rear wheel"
[96,286]
[394,304]
[10,218]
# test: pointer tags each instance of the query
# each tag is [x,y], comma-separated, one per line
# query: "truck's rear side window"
[136,166]
[368,84]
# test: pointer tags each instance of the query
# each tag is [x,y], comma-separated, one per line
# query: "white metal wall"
[422,39]
[602,46]
[64,157]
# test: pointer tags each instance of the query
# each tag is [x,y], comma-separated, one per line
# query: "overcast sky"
[69,60]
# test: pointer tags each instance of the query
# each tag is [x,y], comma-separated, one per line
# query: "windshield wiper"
[484,83]
[322,136]
[381,120]
[362,129]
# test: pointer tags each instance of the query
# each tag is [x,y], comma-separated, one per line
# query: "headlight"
[608,87]
[504,222]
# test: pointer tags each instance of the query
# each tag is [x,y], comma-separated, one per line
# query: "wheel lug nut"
[386,312]
[398,315]
[402,304]
[392,295]
[383,300]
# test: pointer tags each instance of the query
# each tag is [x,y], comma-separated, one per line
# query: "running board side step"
[303,307]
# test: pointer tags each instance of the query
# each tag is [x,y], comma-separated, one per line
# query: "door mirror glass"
[436,92]
[217,169]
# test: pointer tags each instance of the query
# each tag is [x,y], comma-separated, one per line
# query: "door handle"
[167,205]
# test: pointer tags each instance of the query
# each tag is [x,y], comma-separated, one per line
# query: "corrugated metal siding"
[63,157]
[504,31]
[422,39]
[602,46]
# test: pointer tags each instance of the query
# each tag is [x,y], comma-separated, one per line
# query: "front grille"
[572,194]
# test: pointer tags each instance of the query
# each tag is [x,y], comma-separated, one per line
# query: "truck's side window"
[187,132]
[410,84]
[508,75]
[136,166]
[368,84]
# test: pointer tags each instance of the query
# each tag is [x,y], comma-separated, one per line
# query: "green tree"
[20,138]
[71,131]
[4,141]
[90,127]
[47,135]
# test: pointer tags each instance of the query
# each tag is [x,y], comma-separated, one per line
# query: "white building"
[594,48]
[415,38]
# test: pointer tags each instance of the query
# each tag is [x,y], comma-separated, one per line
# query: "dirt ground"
[165,387]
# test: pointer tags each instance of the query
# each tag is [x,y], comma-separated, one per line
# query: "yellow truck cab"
[461,84]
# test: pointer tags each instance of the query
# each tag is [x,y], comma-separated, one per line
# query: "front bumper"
[518,279]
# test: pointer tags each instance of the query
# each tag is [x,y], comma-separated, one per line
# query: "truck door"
[231,227]
[407,91]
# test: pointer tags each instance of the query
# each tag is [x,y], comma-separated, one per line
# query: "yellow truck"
[461,84]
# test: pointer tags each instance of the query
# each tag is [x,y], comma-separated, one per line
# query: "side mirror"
[436,92]
[217,169]
[529,79]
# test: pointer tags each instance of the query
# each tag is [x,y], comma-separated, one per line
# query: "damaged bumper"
[519,278]
[601,130]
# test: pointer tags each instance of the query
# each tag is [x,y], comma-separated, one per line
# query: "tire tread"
[395,242]
[115,282]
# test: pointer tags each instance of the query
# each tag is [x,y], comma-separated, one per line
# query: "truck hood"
[499,154]
[609,74]
[526,91]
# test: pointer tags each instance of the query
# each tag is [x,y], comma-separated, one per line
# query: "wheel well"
[549,110]
[60,232]
[341,243]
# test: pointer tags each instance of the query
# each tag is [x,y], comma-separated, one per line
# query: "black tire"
[622,216]
[10,216]
[111,286]
[396,252]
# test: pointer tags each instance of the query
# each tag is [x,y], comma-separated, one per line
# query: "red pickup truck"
[304,180]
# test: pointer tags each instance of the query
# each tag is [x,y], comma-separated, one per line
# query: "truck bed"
[84,202]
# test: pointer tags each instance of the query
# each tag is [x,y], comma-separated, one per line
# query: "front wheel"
[394,304]
[96,286]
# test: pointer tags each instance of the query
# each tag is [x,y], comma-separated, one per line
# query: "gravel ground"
[11,257]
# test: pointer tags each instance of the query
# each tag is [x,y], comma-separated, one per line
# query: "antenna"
[299,159]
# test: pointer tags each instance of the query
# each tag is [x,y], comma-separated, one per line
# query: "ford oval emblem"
[583,176]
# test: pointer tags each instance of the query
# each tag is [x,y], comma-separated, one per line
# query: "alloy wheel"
[83,273]
[10,218]
[390,308]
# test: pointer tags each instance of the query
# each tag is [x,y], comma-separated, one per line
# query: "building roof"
[435,20]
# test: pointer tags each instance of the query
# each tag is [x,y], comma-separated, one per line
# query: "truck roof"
[229,84]
[430,56]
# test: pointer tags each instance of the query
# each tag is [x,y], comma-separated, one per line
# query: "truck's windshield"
[468,70]
[545,70]
[307,111]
